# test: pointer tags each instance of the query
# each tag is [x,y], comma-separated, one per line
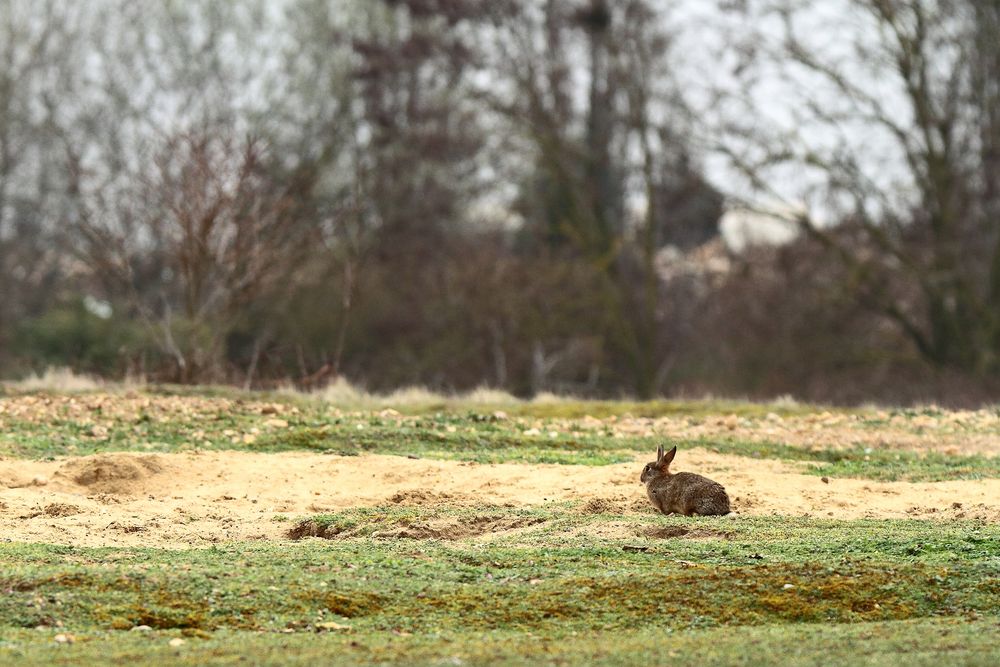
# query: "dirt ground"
[198,499]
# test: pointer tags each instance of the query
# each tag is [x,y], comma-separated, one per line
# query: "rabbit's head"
[660,467]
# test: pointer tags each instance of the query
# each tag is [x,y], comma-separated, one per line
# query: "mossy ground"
[537,590]
[924,642]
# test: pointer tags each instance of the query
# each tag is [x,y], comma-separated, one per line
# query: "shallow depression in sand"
[198,499]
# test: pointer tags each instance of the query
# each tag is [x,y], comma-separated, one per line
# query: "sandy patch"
[197,499]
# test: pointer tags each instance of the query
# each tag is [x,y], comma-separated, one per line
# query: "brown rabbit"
[684,493]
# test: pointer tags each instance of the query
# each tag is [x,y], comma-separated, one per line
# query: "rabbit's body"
[682,493]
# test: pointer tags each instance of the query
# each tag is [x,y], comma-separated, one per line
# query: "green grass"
[466,437]
[480,436]
[470,438]
[545,592]
[864,462]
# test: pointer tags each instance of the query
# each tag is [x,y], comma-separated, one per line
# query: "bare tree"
[894,131]
[37,42]
[213,235]
[394,138]
[597,157]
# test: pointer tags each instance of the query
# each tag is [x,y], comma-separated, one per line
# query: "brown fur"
[682,493]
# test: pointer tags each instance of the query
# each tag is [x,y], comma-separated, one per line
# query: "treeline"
[521,194]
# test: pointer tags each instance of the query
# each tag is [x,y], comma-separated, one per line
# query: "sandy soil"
[197,499]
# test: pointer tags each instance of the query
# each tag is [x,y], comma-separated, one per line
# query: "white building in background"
[768,225]
[740,228]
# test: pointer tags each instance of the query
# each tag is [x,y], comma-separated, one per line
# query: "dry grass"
[56,380]
[344,394]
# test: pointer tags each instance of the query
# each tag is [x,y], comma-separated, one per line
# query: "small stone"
[956,506]
[176,642]
[825,480]
[39,480]
[141,628]
[788,586]
[65,638]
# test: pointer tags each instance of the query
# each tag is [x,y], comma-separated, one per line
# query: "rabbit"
[682,493]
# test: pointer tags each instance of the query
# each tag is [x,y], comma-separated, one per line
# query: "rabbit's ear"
[659,453]
[668,457]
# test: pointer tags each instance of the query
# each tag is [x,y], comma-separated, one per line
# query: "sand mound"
[310,528]
[458,528]
[54,510]
[422,498]
[619,505]
[114,473]
[12,479]
[600,506]
[450,528]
